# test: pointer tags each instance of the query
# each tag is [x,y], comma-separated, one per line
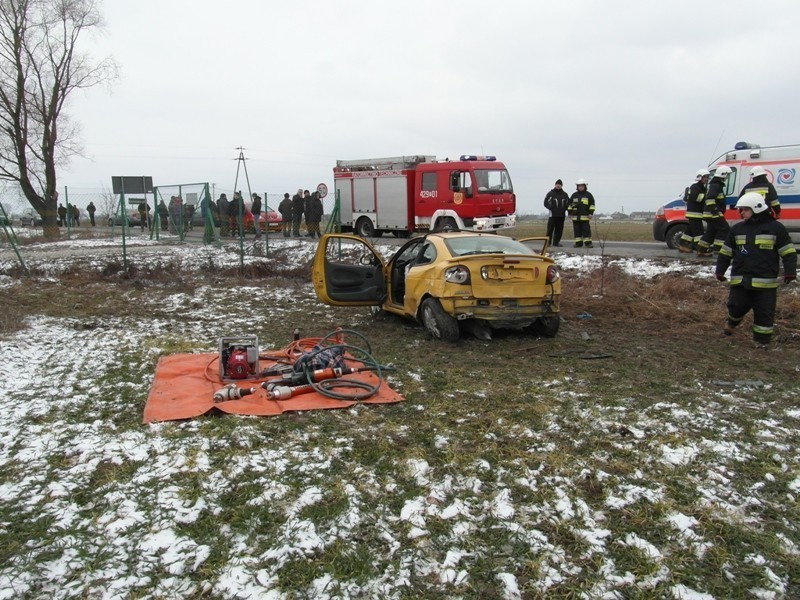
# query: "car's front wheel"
[441,325]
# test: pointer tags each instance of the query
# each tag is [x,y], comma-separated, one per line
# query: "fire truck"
[782,164]
[405,194]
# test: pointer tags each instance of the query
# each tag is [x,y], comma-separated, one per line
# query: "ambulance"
[782,164]
[406,194]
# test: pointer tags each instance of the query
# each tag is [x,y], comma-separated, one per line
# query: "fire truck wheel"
[546,326]
[365,228]
[441,325]
[448,224]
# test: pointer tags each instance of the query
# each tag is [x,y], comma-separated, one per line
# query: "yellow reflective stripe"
[787,249]
[765,236]
[741,240]
[736,279]
[761,190]
[694,215]
[764,282]
[725,251]
[762,329]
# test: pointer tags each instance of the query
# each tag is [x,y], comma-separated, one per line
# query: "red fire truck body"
[419,193]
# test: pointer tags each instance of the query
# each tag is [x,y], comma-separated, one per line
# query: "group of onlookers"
[70,215]
[229,215]
[293,210]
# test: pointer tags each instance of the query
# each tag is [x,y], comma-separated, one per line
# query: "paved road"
[140,242]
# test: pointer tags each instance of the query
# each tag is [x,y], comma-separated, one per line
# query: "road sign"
[132,185]
[322,190]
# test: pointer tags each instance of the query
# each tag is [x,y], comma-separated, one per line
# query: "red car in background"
[268,219]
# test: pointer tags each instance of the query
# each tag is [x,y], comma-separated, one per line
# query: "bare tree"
[40,66]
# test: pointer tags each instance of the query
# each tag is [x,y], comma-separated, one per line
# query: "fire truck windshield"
[494,181]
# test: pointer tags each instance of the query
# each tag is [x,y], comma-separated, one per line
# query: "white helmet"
[702,173]
[758,171]
[754,201]
[580,182]
[722,172]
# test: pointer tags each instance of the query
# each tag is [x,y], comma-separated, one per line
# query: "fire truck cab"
[405,194]
[782,164]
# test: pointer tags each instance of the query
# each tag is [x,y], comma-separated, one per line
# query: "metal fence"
[179,213]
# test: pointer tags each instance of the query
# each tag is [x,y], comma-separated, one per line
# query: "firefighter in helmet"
[717,227]
[754,248]
[761,184]
[581,209]
[693,197]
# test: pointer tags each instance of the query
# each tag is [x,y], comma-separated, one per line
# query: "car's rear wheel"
[546,326]
[441,325]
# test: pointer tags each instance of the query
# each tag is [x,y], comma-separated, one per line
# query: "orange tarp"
[184,387]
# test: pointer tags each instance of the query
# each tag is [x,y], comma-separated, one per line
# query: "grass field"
[619,231]
[639,454]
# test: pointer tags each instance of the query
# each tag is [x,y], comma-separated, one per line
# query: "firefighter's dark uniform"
[581,209]
[694,198]
[754,248]
[717,227]
[762,185]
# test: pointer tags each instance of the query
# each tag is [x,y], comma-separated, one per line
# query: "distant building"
[641,216]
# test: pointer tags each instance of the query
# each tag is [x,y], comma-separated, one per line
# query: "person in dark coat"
[91,209]
[222,207]
[255,209]
[285,208]
[754,248]
[236,214]
[76,215]
[62,215]
[556,202]
[163,215]
[298,207]
[314,212]
[142,208]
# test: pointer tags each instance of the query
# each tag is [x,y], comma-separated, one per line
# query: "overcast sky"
[633,96]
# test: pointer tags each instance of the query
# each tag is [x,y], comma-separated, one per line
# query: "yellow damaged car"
[447,281]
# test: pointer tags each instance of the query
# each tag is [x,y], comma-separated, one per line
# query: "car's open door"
[347,271]
[537,244]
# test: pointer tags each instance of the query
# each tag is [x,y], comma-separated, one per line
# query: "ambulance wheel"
[365,228]
[441,325]
[546,326]
[674,235]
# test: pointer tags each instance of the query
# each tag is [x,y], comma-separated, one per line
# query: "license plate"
[508,274]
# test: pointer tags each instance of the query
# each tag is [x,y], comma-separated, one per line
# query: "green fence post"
[5,221]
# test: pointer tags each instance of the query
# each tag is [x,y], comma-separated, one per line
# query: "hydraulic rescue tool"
[232,392]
